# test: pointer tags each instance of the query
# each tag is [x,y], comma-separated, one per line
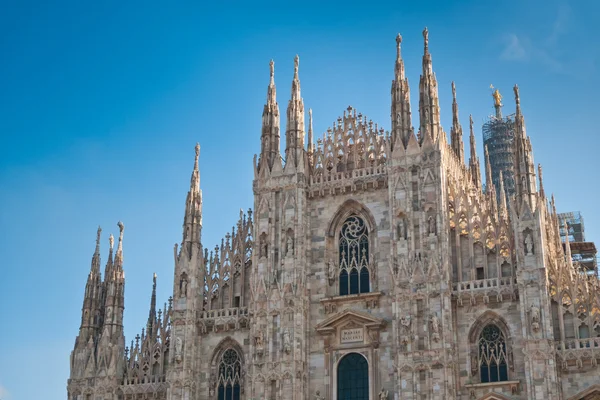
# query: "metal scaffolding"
[499,137]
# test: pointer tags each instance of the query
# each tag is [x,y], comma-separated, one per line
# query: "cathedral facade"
[374,265]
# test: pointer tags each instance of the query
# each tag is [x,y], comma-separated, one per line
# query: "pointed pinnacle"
[426,39]
[296,62]
[272,69]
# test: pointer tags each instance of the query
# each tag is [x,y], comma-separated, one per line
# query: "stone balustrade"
[224,313]
[484,284]
[575,344]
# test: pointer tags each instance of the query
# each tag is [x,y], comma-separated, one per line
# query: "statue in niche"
[178,349]
[431,224]
[318,396]
[535,317]
[108,314]
[263,246]
[528,244]
[289,246]
[287,343]
[401,229]
[383,394]
[183,284]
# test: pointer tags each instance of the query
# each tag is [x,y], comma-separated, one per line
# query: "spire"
[93,290]
[456,132]
[109,263]
[96,257]
[503,210]
[192,221]
[490,189]
[488,168]
[310,132]
[525,183]
[295,121]
[152,314]
[400,114]
[269,149]
[429,107]
[540,178]
[119,254]
[474,160]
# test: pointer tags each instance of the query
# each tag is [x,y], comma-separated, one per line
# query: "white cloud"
[514,49]
[4,395]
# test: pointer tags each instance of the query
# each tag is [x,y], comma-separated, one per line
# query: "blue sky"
[102,103]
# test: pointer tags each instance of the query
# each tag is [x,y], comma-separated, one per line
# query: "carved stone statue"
[535,318]
[431,224]
[263,247]
[383,395]
[287,343]
[318,396]
[401,229]
[178,349]
[528,244]
[331,271]
[259,340]
[289,246]
[405,322]
[183,284]
[435,323]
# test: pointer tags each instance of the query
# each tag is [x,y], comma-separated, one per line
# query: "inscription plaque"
[352,335]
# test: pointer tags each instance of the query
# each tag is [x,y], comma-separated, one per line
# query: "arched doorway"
[353,378]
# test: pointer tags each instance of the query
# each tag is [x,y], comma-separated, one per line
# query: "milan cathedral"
[374,265]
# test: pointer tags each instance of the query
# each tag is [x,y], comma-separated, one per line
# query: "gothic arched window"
[230,370]
[354,257]
[353,378]
[493,363]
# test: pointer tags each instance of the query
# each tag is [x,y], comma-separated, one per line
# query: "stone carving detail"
[289,246]
[535,318]
[435,327]
[183,285]
[287,342]
[528,244]
[318,396]
[383,394]
[259,342]
[331,272]
[178,349]
[431,225]
[401,228]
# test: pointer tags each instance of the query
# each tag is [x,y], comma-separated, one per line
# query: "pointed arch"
[347,208]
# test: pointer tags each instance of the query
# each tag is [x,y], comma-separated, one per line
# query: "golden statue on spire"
[497,97]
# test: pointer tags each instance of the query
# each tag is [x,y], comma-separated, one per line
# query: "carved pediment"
[351,327]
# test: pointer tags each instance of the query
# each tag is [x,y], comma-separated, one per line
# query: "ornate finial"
[272,71]
[398,43]
[517,99]
[453,91]
[426,37]
[121,229]
[471,123]
[98,236]
[111,241]
[310,113]
[296,62]
[154,279]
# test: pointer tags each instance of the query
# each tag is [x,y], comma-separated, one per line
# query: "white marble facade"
[374,265]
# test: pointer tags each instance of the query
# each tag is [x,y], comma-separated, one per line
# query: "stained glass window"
[354,257]
[353,378]
[492,355]
[230,369]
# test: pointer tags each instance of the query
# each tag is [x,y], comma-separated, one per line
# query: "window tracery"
[230,369]
[354,267]
[493,361]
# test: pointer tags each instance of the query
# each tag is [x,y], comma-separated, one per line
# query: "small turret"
[525,183]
